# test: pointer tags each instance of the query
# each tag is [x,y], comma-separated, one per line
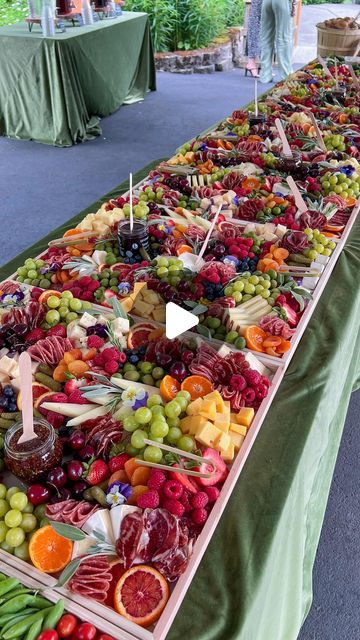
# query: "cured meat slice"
[92,579]
[50,350]
[71,512]
[131,530]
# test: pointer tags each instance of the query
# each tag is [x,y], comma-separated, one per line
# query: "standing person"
[253,37]
[276,33]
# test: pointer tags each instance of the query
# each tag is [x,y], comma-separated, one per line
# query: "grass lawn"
[11,12]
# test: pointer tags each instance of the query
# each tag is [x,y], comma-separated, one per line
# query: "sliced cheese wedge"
[90,415]
[68,409]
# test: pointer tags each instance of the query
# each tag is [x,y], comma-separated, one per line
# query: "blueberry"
[8,391]
[133,359]
[142,349]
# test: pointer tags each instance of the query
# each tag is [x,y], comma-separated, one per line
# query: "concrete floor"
[43,186]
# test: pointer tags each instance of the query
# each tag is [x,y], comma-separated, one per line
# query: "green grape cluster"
[64,309]
[351,110]
[187,147]
[339,184]
[334,142]
[108,280]
[158,422]
[112,252]
[29,273]
[18,521]
[169,270]
[269,159]
[218,174]
[249,285]
[140,210]
[218,331]
[142,371]
[149,195]
[320,244]
[241,130]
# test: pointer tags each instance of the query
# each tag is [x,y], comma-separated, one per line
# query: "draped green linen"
[54,90]
[254,582]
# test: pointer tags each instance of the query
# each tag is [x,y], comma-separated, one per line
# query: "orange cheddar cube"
[208,435]
[237,439]
[238,428]
[245,416]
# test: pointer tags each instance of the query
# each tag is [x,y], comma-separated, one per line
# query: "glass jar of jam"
[288,164]
[256,119]
[336,94]
[134,244]
[32,460]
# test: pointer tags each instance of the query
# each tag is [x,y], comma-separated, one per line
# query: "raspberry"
[199,516]
[238,382]
[252,377]
[99,360]
[111,353]
[248,395]
[95,342]
[76,291]
[261,391]
[77,398]
[111,366]
[93,286]
[122,357]
[84,282]
[264,380]
[172,489]
[185,500]
[174,506]
[212,493]
[199,500]
[87,296]
[156,479]
[148,500]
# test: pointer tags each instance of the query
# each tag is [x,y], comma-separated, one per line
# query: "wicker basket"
[343,42]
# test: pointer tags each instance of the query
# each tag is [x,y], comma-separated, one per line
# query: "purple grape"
[74,470]
[57,477]
[62,494]
[78,489]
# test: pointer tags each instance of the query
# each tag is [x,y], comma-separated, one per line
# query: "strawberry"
[35,335]
[97,472]
[292,318]
[59,331]
[73,384]
[187,482]
[220,468]
[118,462]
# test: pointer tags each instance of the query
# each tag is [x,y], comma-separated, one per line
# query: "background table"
[254,582]
[53,90]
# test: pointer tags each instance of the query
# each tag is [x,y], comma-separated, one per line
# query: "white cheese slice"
[87,320]
[257,365]
[125,384]
[6,364]
[68,409]
[74,331]
[99,257]
[120,326]
[89,415]
[101,523]
[81,546]
[117,514]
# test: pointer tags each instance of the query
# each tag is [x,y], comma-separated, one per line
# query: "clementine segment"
[197,386]
[49,552]
[169,387]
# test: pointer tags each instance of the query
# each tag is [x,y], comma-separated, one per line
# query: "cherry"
[76,440]
[86,453]
[74,470]
[56,477]
[78,489]
[62,494]
[38,494]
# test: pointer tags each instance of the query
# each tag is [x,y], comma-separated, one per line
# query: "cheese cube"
[87,320]
[159,314]
[229,454]
[191,424]
[7,365]
[222,422]
[237,439]
[120,326]
[143,308]
[208,434]
[227,407]
[194,407]
[208,409]
[238,428]
[215,395]
[151,297]
[245,416]
[223,442]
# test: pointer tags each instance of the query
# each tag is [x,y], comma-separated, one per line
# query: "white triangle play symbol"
[178,320]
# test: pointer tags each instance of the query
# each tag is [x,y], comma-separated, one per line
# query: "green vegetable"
[44,368]
[34,630]
[54,615]
[49,382]
[15,415]
[40,603]
[7,585]
[5,424]
[2,576]
[14,592]
[21,627]
[16,604]
[15,618]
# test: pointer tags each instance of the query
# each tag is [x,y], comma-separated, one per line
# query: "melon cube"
[208,409]
[227,408]
[208,434]
[238,428]
[245,416]
[237,439]
[223,442]
[194,407]
[215,395]
[228,455]
[151,297]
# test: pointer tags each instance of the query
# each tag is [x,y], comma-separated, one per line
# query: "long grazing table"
[54,90]
[255,580]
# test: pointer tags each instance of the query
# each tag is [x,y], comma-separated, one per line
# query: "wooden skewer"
[297,195]
[325,67]
[354,77]
[57,242]
[319,137]
[286,147]
[208,236]
[183,454]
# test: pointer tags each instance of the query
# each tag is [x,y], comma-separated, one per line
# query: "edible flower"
[348,170]
[11,299]
[231,260]
[124,288]
[118,493]
[134,398]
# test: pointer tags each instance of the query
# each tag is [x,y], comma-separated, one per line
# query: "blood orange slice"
[37,391]
[139,334]
[141,595]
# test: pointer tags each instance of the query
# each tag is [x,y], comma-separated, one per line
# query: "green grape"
[75,304]
[158,373]
[240,343]
[237,296]
[71,316]
[2,491]
[22,551]
[39,511]
[312,254]
[28,522]
[10,492]
[239,285]
[186,443]
[52,317]
[162,261]
[143,415]
[158,410]
[63,312]
[18,501]
[231,336]
[3,530]
[159,429]
[146,367]
[213,323]
[265,294]
[173,422]
[129,367]
[162,271]
[174,434]
[131,451]
[319,248]
[29,508]
[152,454]
[30,264]
[133,376]
[15,537]
[182,402]
[138,439]
[172,409]
[228,290]
[184,394]
[130,424]
[148,379]
[258,289]
[67,294]
[6,547]
[254,279]
[13,518]
[44,283]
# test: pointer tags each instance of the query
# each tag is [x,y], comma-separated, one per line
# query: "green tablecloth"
[53,90]
[254,582]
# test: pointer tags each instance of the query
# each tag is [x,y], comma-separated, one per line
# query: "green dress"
[276,33]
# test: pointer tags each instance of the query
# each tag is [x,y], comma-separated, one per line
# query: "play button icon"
[178,320]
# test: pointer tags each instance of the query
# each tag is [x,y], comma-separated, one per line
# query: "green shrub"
[322,1]
[188,24]
[11,12]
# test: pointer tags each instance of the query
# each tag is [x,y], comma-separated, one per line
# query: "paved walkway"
[310,16]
